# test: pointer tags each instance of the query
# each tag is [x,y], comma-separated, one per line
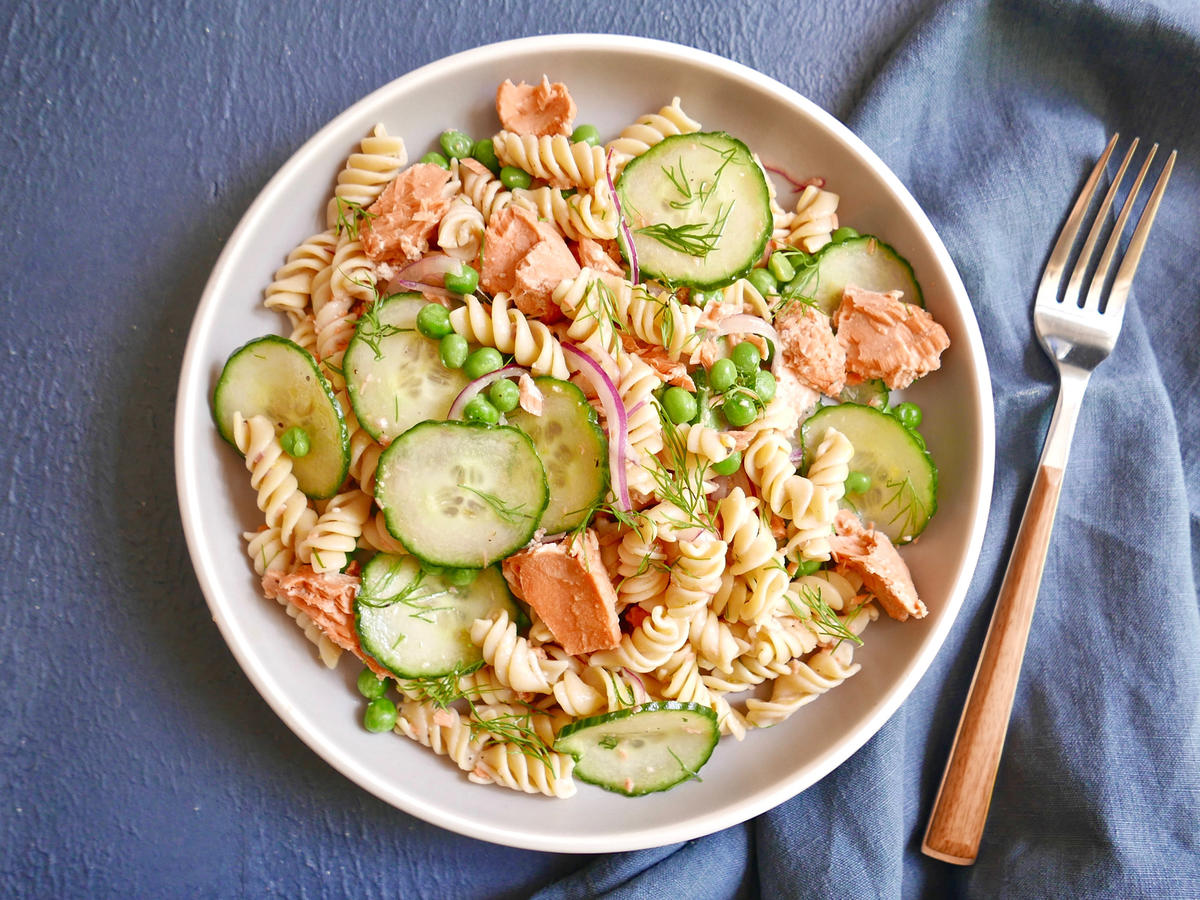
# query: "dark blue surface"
[136,759]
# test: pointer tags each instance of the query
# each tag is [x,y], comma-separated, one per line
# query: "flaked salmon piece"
[592,255]
[545,108]
[475,166]
[528,396]
[810,348]
[566,584]
[871,554]
[715,312]
[884,337]
[510,234]
[404,218]
[328,599]
[792,395]
[539,272]
[672,371]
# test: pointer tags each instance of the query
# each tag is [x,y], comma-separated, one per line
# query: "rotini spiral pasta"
[514,768]
[379,160]
[768,464]
[714,640]
[649,130]
[584,214]
[460,233]
[552,158]
[508,330]
[484,190]
[516,663]
[334,536]
[279,495]
[648,646]
[695,576]
[809,532]
[443,731]
[291,290]
[814,220]
[267,550]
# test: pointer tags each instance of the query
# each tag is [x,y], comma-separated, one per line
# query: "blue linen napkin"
[991,114]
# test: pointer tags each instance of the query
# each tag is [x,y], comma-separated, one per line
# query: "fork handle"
[961,808]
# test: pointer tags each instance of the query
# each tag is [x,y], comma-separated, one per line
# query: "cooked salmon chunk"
[871,555]
[810,348]
[328,599]
[527,258]
[593,255]
[402,221]
[545,108]
[884,337]
[566,584]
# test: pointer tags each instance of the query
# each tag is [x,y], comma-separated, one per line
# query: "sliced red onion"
[466,394]
[430,269]
[628,235]
[744,323]
[634,676]
[429,290]
[796,183]
[615,416]
[797,456]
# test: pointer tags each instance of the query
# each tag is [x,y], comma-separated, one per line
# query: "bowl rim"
[510,834]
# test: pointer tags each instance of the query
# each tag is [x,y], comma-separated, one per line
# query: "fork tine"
[1133,254]
[1092,302]
[1072,294]
[1052,275]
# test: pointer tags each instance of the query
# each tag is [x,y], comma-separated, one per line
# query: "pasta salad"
[586,450]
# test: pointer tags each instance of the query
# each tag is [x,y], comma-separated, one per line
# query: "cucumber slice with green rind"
[873,393]
[865,262]
[903,493]
[276,378]
[573,448]
[394,374]
[417,624]
[698,207]
[643,749]
[461,494]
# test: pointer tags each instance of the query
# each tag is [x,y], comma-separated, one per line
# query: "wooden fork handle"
[961,808]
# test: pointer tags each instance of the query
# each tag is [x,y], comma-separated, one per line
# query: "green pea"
[722,375]
[844,233]
[680,404]
[433,321]
[295,442]
[464,281]
[764,282]
[729,464]
[485,152]
[370,685]
[764,385]
[739,409]
[746,358]
[505,395]
[808,566]
[482,361]
[461,577]
[512,177]
[380,715]
[435,158]
[909,414]
[586,134]
[781,267]
[455,144]
[479,409]
[857,482]
[453,350]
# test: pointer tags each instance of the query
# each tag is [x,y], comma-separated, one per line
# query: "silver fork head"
[1079,329]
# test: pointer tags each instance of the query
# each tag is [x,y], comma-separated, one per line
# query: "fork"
[1078,332]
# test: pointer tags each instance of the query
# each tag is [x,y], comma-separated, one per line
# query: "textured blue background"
[135,758]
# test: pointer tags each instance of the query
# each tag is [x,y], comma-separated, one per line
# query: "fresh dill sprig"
[515,729]
[371,330]
[379,597]
[824,618]
[617,685]
[510,514]
[693,774]
[350,215]
[910,511]
[681,481]
[441,690]
[691,238]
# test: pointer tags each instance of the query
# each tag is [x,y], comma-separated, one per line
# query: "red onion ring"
[445,295]
[471,390]
[797,184]
[625,232]
[615,416]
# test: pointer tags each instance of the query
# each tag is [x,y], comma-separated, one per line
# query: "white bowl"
[613,80]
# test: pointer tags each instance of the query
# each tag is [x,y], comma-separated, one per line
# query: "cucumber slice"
[864,262]
[273,377]
[903,492]
[866,393]
[417,624]
[461,494]
[394,374]
[573,449]
[698,207]
[641,750]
